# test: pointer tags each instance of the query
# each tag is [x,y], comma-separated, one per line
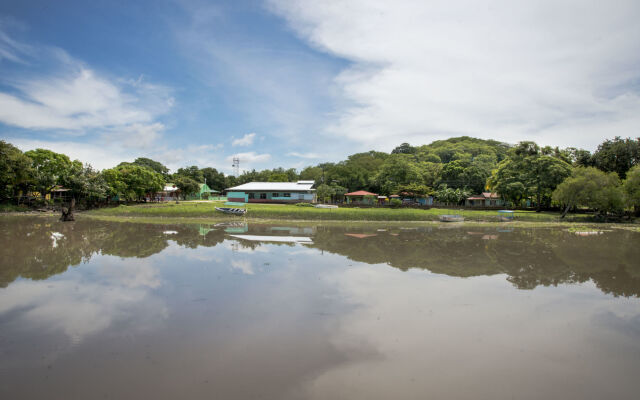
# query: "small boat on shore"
[325,206]
[233,211]
[451,218]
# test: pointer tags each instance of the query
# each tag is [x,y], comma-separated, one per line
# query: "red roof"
[361,193]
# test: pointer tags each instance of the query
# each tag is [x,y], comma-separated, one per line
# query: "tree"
[192,172]
[311,174]
[85,182]
[631,188]
[448,195]
[187,186]
[592,188]
[133,181]
[528,172]
[153,165]
[214,179]
[15,170]
[324,192]
[404,148]
[398,169]
[617,155]
[49,168]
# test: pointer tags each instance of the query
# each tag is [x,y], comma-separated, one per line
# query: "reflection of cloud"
[79,308]
[628,325]
[243,265]
[142,275]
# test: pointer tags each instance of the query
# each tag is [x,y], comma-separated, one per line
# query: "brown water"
[93,310]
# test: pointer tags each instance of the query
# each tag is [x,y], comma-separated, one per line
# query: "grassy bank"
[292,212]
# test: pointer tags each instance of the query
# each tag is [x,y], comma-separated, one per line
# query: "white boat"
[325,206]
[451,218]
[234,211]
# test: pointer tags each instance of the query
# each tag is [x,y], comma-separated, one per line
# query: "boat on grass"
[451,218]
[233,211]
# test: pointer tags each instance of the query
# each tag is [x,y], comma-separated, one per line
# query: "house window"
[263,196]
[274,194]
[252,196]
[286,194]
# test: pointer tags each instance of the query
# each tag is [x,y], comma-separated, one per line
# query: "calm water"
[92,310]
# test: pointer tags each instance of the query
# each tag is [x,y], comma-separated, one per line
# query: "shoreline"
[176,220]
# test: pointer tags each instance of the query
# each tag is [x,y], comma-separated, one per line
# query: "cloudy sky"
[295,82]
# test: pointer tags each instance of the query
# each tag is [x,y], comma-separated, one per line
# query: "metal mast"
[236,166]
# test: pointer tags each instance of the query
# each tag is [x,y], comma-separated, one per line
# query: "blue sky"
[295,82]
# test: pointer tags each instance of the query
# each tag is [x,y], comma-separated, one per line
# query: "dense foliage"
[450,170]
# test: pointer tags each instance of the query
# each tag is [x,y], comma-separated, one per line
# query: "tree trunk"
[538,199]
[566,210]
[67,213]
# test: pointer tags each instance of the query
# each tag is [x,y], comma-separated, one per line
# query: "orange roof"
[361,235]
[361,193]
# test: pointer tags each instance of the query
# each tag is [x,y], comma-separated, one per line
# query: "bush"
[395,203]
[304,204]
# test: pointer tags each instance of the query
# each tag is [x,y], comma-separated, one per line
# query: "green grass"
[292,212]
[13,208]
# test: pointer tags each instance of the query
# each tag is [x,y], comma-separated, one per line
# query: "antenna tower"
[236,166]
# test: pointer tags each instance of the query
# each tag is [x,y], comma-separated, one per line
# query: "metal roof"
[274,186]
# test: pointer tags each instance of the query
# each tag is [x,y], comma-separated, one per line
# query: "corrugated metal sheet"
[272,187]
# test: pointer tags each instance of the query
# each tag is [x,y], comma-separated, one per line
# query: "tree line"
[450,170]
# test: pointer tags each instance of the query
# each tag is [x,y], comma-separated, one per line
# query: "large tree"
[592,188]
[617,155]
[187,186]
[631,187]
[49,169]
[15,171]
[134,181]
[192,172]
[214,179]
[397,170]
[153,165]
[529,171]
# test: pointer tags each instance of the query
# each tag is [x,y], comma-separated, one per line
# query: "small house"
[274,192]
[168,193]
[361,197]
[485,199]
[204,193]
[412,198]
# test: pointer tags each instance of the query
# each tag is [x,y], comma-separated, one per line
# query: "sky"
[293,83]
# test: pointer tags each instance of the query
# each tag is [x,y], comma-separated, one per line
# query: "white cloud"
[246,140]
[303,155]
[560,72]
[250,157]
[76,101]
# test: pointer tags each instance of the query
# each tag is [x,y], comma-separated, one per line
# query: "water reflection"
[38,248]
[125,310]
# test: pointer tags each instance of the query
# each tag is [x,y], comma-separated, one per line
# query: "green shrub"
[304,204]
[395,203]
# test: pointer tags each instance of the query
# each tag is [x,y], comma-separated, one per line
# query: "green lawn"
[292,212]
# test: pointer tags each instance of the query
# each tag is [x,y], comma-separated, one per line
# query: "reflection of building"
[274,192]
[485,199]
[279,239]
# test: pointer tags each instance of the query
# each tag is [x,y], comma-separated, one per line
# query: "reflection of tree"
[37,248]
[529,257]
